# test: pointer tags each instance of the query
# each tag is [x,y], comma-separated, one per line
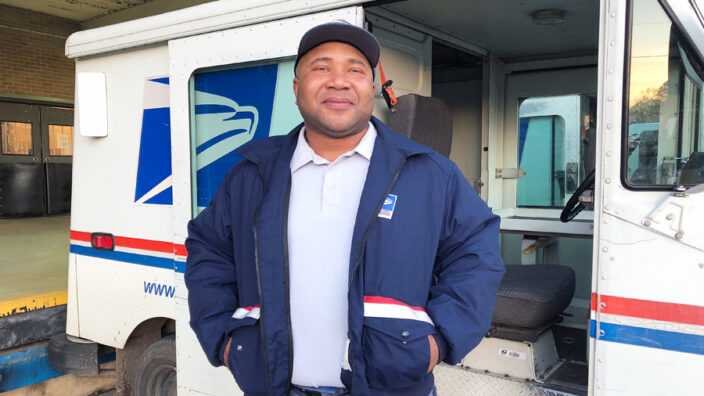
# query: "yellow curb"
[31,303]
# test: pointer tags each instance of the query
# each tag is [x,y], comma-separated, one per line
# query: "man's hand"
[434,352]
[227,352]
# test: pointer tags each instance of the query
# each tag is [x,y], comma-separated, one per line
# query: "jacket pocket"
[396,351]
[246,359]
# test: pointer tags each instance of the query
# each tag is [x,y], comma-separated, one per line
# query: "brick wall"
[32,60]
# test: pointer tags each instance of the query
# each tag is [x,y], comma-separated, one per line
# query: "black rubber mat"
[571,343]
[573,375]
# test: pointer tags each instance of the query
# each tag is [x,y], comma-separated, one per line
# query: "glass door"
[57,151]
[36,147]
[21,171]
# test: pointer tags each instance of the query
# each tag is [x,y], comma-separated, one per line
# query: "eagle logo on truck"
[223,126]
[230,108]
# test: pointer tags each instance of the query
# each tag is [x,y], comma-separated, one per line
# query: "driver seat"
[530,298]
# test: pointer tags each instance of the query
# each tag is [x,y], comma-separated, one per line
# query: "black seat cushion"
[426,120]
[531,296]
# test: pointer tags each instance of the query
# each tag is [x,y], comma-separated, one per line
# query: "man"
[342,258]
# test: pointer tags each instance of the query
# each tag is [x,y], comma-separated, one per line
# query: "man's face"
[334,90]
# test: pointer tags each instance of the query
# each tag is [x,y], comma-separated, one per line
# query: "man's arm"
[468,269]
[210,276]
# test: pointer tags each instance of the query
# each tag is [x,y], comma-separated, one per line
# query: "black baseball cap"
[343,32]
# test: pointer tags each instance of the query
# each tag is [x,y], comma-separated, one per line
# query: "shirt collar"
[305,154]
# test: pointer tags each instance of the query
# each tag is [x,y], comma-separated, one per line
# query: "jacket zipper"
[364,245]
[288,290]
[259,288]
[371,221]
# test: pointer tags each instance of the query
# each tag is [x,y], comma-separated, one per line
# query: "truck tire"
[156,371]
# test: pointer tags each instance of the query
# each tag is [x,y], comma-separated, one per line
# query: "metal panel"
[516,359]
[106,168]
[215,16]
[122,290]
[103,201]
[457,381]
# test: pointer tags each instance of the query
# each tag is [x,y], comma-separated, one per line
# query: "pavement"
[33,256]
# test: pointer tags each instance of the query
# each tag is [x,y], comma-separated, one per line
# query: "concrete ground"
[33,256]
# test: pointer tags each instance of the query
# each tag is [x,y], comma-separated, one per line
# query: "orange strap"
[381,72]
[387,88]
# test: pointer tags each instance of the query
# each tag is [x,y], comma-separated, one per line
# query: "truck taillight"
[102,241]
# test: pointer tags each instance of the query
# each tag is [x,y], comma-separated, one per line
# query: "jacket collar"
[304,154]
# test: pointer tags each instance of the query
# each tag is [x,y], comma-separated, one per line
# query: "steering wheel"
[573,206]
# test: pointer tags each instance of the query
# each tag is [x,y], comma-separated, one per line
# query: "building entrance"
[36,147]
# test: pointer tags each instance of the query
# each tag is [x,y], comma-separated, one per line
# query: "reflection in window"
[553,132]
[60,140]
[16,138]
[231,107]
[664,100]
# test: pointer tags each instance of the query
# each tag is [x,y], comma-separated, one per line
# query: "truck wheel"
[156,371]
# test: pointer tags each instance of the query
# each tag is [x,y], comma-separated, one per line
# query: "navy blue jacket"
[433,268]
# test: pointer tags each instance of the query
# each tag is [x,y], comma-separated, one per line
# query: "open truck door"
[227,88]
[647,304]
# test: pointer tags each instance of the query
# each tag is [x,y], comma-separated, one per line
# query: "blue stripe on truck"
[651,338]
[151,261]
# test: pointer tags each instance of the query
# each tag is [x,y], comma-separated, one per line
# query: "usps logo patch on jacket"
[387,209]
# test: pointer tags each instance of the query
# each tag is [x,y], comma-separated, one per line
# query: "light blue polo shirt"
[322,211]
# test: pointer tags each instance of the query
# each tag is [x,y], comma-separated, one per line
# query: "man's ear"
[295,88]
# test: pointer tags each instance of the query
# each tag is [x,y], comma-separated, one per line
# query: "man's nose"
[338,79]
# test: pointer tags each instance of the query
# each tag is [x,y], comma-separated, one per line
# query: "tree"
[647,107]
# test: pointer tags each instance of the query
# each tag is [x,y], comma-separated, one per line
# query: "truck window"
[231,107]
[551,138]
[663,145]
